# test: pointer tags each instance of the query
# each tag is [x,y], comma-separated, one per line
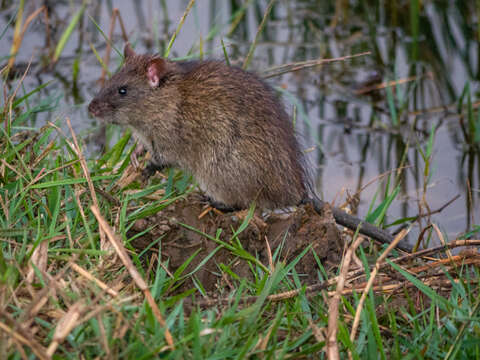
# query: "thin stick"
[83,164]
[451,261]
[425,252]
[122,26]
[65,325]
[136,276]
[81,271]
[391,83]
[28,340]
[287,68]
[269,255]
[439,210]
[86,172]
[442,239]
[373,275]
[421,253]
[321,286]
[333,308]
[108,49]
[20,32]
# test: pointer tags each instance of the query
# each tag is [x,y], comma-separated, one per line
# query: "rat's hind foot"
[219,205]
[222,207]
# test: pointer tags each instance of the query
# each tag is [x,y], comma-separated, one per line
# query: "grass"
[66,293]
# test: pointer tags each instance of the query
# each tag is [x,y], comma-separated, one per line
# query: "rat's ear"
[128,51]
[156,70]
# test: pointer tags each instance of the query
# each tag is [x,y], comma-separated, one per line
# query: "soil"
[288,232]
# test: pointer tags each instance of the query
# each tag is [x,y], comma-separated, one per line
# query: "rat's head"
[122,95]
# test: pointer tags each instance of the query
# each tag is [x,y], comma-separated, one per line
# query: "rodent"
[222,124]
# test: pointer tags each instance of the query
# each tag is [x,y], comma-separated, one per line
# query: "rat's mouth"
[105,119]
[105,112]
[94,109]
[99,109]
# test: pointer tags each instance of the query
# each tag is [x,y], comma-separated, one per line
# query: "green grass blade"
[68,32]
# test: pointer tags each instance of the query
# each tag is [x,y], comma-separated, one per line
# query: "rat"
[222,124]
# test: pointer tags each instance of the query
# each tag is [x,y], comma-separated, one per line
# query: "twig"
[269,255]
[425,252]
[108,50]
[392,288]
[373,275]
[454,261]
[136,276]
[65,325]
[386,84]
[292,67]
[103,336]
[28,339]
[83,164]
[333,307]
[324,285]
[421,253]
[86,172]
[442,239]
[18,34]
[107,196]
[440,209]
[81,271]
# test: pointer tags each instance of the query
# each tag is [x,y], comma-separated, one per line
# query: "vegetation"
[75,284]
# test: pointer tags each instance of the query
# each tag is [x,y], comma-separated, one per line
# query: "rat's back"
[245,147]
[224,125]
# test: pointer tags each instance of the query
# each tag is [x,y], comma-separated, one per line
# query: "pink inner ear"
[155,71]
[152,75]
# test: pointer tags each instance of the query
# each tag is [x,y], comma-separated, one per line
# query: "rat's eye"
[122,90]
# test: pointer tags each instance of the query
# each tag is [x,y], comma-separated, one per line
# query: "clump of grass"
[64,293]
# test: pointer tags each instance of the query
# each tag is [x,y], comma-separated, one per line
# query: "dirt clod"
[290,232]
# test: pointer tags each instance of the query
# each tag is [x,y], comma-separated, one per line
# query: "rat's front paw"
[150,170]
[139,150]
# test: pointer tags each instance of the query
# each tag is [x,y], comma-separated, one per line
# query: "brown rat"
[222,124]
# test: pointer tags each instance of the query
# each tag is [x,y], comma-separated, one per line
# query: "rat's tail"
[352,222]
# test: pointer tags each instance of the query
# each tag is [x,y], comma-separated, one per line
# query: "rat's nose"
[93,108]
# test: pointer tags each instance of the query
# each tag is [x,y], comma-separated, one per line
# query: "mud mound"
[290,233]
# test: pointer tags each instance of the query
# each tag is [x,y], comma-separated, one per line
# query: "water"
[351,138]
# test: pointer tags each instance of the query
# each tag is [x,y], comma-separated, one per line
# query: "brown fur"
[222,124]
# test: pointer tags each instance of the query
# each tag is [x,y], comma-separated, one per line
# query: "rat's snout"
[102,109]
[93,107]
